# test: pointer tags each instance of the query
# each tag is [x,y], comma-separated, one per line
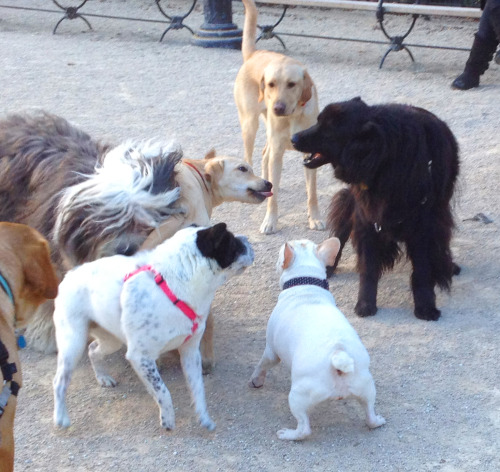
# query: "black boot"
[480,56]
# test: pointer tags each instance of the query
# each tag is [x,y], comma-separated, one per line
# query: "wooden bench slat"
[431,10]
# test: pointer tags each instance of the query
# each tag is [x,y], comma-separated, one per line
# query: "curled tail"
[342,362]
[249,29]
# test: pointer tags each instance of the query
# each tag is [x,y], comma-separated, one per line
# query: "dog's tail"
[249,29]
[131,193]
[342,361]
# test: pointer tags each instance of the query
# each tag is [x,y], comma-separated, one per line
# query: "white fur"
[121,185]
[309,334]
[138,314]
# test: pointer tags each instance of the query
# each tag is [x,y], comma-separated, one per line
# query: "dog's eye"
[242,169]
[290,84]
[271,84]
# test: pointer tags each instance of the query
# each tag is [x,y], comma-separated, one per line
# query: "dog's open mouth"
[315,160]
[260,196]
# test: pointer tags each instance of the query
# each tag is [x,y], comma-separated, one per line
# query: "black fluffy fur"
[401,164]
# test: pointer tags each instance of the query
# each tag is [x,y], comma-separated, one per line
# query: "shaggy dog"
[401,164]
[153,302]
[42,155]
[90,200]
[27,279]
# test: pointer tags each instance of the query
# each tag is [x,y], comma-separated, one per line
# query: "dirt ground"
[437,384]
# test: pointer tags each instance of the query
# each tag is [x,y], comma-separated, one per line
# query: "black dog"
[401,164]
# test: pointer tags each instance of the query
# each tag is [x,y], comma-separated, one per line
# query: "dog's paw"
[62,421]
[207,423]
[292,434]
[317,224]
[207,366]
[269,225]
[428,313]
[375,422]
[256,383]
[167,423]
[106,381]
[364,309]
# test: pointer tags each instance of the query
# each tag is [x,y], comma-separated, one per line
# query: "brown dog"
[280,90]
[27,279]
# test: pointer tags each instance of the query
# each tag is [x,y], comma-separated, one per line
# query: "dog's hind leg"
[103,345]
[365,393]
[71,336]
[268,360]
[191,366]
[207,346]
[300,401]
[147,371]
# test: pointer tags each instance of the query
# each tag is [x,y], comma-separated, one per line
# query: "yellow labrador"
[205,184]
[280,90]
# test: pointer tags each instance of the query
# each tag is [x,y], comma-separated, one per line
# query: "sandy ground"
[437,382]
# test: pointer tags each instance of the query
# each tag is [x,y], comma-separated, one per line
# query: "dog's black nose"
[295,138]
[279,108]
[268,185]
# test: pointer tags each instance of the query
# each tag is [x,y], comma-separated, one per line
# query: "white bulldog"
[153,301]
[314,339]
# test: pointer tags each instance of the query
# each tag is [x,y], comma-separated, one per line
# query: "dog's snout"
[295,139]
[249,252]
[279,108]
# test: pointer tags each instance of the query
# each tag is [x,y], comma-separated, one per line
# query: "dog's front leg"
[273,161]
[422,280]
[367,249]
[191,366]
[207,346]
[315,220]
[148,372]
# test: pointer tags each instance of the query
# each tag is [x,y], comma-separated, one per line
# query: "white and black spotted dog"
[153,301]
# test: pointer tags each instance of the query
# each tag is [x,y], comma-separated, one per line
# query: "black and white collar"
[323,283]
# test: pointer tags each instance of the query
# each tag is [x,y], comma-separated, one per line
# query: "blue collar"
[323,283]
[6,288]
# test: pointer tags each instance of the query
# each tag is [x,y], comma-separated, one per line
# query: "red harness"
[160,281]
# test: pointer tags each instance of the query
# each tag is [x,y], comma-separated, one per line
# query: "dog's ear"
[210,154]
[262,88]
[288,256]
[40,280]
[220,244]
[306,88]
[327,251]
[214,170]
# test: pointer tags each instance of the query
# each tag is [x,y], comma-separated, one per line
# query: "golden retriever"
[27,279]
[280,90]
